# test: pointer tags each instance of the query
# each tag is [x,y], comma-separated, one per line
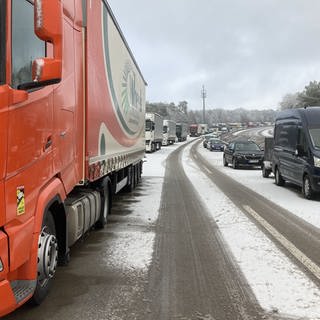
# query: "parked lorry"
[193,129]
[202,129]
[153,135]
[72,119]
[169,132]
[181,131]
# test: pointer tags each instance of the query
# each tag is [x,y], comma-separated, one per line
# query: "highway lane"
[298,239]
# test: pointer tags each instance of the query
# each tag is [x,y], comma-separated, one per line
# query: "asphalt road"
[192,276]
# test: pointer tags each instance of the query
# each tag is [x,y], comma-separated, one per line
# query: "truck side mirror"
[48,27]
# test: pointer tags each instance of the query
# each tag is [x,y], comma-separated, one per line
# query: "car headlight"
[239,156]
[316,161]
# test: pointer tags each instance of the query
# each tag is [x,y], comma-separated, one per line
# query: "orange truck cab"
[72,117]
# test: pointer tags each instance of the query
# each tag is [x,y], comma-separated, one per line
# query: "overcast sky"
[247,53]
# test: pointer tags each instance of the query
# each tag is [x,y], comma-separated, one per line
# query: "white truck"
[202,129]
[153,136]
[169,132]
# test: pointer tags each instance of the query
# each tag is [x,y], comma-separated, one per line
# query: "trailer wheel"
[47,259]
[105,205]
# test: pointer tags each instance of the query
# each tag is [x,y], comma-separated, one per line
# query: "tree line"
[308,97]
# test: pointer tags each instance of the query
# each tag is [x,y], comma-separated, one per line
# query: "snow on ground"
[278,284]
[288,197]
[132,249]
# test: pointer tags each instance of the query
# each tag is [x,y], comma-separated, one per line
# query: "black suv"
[242,153]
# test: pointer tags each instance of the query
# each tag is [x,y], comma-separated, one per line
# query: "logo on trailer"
[131,98]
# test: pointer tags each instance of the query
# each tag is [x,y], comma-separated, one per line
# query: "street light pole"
[204,95]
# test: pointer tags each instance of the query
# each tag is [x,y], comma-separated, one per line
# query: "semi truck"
[153,134]
[72,122]
[181,131]
[169,132]
[193,129]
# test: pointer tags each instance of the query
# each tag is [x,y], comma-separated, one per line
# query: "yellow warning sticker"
[20,201]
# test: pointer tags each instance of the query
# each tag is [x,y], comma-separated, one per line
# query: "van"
[296,151]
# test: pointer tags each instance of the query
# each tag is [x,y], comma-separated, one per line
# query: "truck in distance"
[72,134]
[181,131]
[153,134]
[169,132]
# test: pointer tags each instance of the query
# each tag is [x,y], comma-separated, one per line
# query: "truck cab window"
[26,46]
[2,41]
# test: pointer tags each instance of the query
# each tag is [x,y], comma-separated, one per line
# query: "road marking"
[308,263]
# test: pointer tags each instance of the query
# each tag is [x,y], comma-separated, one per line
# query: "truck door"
[29,151]
[64,110]
[301,159]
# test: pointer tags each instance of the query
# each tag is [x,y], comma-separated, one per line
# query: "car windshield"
[2,41]
[247,146]
[215,141]
[315,137]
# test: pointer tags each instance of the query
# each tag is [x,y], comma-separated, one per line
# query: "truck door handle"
[48,143]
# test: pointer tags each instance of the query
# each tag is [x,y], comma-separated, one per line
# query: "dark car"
[206,139]
[215,144]
[242,153]
[296,151]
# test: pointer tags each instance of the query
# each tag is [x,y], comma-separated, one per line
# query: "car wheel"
[306,188]
[278,178]
[234,163]
[225,163]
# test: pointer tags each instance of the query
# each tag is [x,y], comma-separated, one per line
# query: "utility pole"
[204,95]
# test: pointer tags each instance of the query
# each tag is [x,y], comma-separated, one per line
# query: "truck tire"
[47,259]
[307,188]
[105,204]
[278,178]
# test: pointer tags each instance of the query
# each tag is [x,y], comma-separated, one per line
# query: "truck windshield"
[148,125]
[2,41]
[315,137]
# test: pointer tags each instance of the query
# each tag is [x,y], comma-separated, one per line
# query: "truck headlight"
[1,265]
[316,161]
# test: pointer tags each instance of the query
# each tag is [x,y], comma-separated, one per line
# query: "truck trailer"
[72,124]
[169,132]
[153,135]
[181,131]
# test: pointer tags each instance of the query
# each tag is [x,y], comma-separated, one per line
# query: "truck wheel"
[47,259]
[225,163]
[234,163]
[278,178]
[306,188]
[105,205]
